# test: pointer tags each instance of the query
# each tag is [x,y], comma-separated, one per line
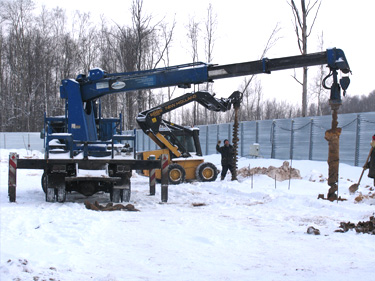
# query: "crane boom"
[81,93]
[99,83]
[334,58]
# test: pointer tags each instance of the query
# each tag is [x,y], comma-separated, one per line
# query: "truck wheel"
[61,194]
[44,182]
[124,185]
[125,195]
[115,195]
[176,174]
[206,171]
[50,195]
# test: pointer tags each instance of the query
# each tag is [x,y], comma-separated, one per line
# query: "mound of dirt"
[360,227]
[362,197]
[282,173]
[109,207]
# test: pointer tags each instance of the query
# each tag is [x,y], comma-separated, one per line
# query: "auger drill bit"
[237,98]
[333,138]
[235,143]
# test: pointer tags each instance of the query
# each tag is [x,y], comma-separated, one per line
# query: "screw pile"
[333,138]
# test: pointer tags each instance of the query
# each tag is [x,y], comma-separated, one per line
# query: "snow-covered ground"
[250,229]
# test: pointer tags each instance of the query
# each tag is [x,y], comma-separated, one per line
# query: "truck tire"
[44,182]
[126,195]
[61,194]
[124,185]
[115,195]
[50,195]
[176,174]
[206,171]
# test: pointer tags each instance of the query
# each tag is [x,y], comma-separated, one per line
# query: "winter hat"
[373,138]
[228,140]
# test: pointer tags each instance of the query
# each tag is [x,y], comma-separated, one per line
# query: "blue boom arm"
[82,92]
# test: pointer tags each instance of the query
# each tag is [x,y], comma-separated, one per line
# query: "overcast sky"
[244,27]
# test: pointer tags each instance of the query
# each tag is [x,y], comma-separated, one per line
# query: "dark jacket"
[371,165]
[227,154]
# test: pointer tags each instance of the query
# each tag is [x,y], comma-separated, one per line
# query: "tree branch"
[316,15]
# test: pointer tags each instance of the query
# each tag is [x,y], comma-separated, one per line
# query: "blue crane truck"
[80,145]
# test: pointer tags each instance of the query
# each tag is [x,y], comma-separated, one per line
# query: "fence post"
[273,139]
[257,131]
[229,132]
[135,145]
[311,138]
[357,140]
[291,139]
[12,177]
[207,140]
[217,136]
[164,178]
[242,138]
[152,177]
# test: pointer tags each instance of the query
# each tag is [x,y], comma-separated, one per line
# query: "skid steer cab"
[191,165]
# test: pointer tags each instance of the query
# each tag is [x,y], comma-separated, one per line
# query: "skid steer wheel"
[176,174]
[206,172]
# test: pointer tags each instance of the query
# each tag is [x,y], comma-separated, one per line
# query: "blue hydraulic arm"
[82,92]
[99,83]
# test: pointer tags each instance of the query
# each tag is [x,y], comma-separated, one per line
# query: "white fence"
[30,141]
[299,138]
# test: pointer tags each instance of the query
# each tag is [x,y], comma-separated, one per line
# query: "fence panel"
[203,139]
[264,138]
[282,138]
[249,137]
[298,138]
[365,132]
[302,139]
[31,141]
[348,125]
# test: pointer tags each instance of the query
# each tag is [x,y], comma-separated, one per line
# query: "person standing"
[227,158]
[371,163]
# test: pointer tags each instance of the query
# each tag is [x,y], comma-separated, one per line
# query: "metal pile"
[333,138]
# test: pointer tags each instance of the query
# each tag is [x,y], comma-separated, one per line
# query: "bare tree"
[209,42]
[303,32]
[317,88]
[20,51]
[108,46]
[122,41]
[193,37]
[252,97]
[87,41]
[142,29]
[256,92]
[167,36]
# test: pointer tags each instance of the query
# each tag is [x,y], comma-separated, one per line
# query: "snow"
[250,229]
